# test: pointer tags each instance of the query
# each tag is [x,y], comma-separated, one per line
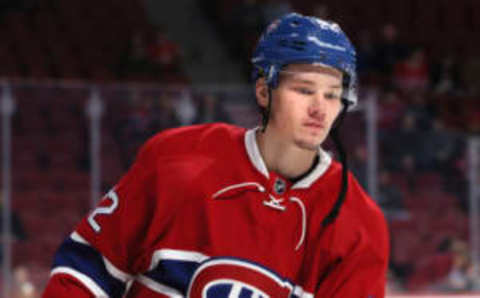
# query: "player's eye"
[304,91]
[331,95]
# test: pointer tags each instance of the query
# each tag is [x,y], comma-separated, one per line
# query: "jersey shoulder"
[201,139]
[366,208]
[358,200]
[359,217]
[363,213]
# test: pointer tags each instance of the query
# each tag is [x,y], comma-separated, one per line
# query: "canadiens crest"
[235,278]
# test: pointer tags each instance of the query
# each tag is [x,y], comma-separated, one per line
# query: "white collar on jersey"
[256,158]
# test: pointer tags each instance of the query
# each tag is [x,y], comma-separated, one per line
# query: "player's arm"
[362,271]
[109,245]
[64,285]
[362,274]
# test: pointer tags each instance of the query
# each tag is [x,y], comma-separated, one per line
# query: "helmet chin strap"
[266,114]
[343,160]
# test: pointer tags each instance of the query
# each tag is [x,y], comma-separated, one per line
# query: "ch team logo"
[231,288]
[235,278]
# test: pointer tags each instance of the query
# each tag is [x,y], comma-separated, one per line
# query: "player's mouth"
[314,125]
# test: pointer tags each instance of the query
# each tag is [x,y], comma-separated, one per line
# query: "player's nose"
[316,112]
[317,105]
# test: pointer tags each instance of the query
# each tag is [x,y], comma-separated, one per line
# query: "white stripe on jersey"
[158,287]
[77,238]
[254,153]
[176,255]
[325,160]
[114,271]
[85,280]
[299,292]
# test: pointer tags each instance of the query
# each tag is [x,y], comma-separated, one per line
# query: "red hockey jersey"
[200,215]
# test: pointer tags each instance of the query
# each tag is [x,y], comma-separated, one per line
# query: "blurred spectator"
[391,110]
[430,271]
[138,119]
[460,277]
[245,23]
[211,110]
[389,50]
[273,9]
[163,114]
[402,241]
[401,142]
[164,53]
[7,6]
[394,284]
[445,76]
[136,61]
[43,157]
[183,105]
[23,287]
[156,59]
[247,15]
[131,128]
[408,168]
[470,73]
[411,74]
[138,51]
[358,164]
[442,147]
[365,55]
[320,10]
[420,109]
[18,230]
[390,198]
[473,120]
[148,115]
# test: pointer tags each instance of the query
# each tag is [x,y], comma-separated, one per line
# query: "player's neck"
[286,159]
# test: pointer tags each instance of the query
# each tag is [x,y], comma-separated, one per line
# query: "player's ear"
[261,92]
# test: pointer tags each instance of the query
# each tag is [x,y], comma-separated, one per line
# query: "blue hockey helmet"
[295,38]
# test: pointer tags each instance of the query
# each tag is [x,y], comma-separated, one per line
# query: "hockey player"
[219,211]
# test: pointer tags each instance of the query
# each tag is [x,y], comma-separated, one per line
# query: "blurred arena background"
[84,83]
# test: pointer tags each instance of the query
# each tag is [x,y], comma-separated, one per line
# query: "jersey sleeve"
[362,271]
[65,285]
[362,274]
[110,245]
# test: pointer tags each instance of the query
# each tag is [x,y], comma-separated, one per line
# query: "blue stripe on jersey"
[175,274]
[89,261]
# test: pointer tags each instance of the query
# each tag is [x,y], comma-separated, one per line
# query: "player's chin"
[309,143]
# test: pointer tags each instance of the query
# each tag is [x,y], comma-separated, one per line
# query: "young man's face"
[305,104]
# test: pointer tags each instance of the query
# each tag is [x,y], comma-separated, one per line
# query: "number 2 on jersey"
[112,195]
